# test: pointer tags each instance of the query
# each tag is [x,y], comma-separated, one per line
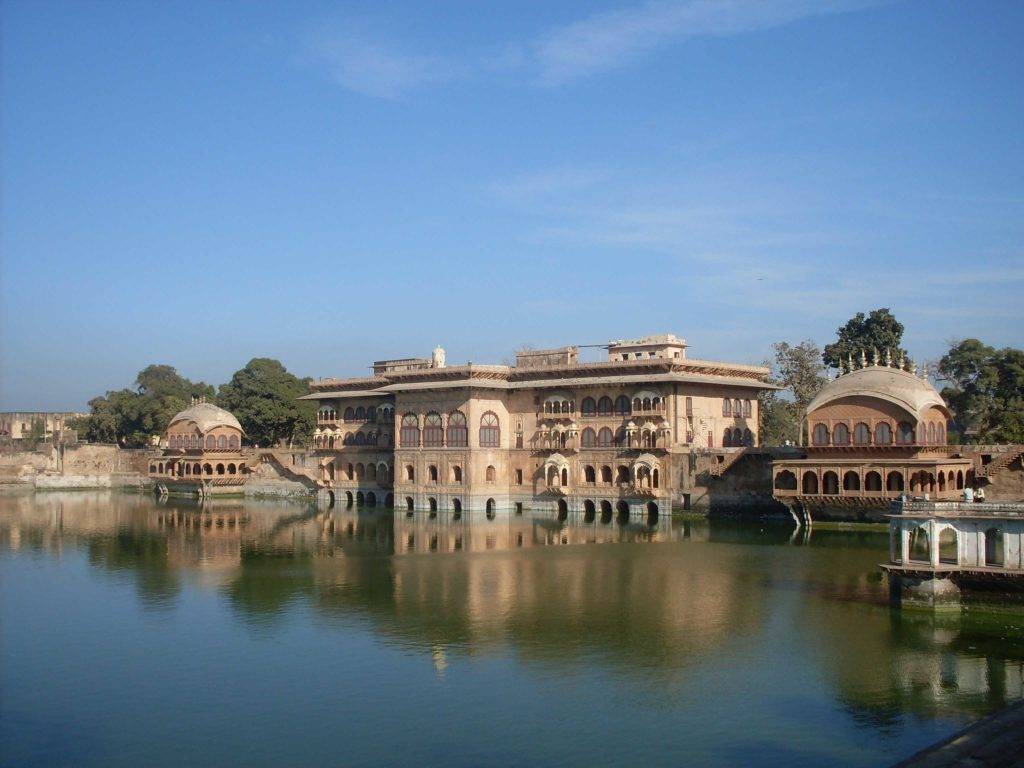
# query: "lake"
[250,633]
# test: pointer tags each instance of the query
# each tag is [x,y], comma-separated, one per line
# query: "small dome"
[894,385]
[206,416]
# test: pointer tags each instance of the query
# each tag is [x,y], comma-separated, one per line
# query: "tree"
[798,369]
[985,392]
[264,398]
[132,417]
[876,332]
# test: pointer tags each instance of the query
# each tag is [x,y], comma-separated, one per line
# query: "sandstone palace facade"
[618,437]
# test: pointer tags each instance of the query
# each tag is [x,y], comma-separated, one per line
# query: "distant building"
[203,453]
[20,425]
[875,433]
[595,439]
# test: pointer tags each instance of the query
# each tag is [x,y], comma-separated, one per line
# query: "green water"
[267,634]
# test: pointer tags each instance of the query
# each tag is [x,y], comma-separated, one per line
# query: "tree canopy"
[799,370]
[875,332]
[264,398]
[132,417]
[985,391]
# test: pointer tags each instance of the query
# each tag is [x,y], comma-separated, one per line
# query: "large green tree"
[985,391]
[799,370]
[132,417]
[264,398]
[875,332]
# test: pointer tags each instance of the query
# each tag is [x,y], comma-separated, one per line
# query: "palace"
[877,432]
[549,432]
[203,453]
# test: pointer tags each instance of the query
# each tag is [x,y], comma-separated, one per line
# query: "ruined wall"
[743,490]
[1008,483]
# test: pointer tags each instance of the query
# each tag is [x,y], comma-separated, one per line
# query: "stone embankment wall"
[743,489]
[281,473]
[75,466]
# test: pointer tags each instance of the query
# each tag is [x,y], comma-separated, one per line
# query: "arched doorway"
[810,485]
[490,509]
[948,551]
[432,506]
[830,484]
[606,512]
[360,499]
[622,508]
[994,549]
[330,499]
[589,511]
[348,499]
[389,501]
[457,509]
[652,513]
[409,504]
[371,499]
[563,510]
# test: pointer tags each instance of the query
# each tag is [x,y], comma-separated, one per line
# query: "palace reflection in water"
[674,609]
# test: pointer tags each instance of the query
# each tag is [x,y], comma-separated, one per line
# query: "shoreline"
[994,741]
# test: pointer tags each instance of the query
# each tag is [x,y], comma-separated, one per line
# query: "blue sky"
[330,183]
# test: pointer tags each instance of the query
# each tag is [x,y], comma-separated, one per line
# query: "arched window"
[233,441]
[371,471]
[222,442]
[872,481]
[432,473]
[622,405]
[458,430]
[905,433]
[622,474]
[565,477]
[457,474]
[359,439]
[647,404]
[349,414]
[727,438]
[371,413]
[894,482]
[410,472]
[830,484]
[588,407]
[940,433]
[490,474]
[490,430]
[637,404]
[588,438]
[211,442]
[820,434]
[810,484]
[737,407]
[862,434]
[747,409]
[360,471]
[920,547]
[948,547]
[931,433]
[604,438]
[851,481]
[606,474]
[604,406]
[589,474]
[883,433]
[360,413]
[727,407]
[433,431]
[748,438]
[785,481]
[841,435]
[410,433]
[994,547]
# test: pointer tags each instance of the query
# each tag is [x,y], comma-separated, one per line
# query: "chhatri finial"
[863,358]
[913,368]
[849,362]
[888,357]
[899,358]
[924,372]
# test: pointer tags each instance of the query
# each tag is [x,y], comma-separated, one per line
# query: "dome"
[206,416]
[894,385]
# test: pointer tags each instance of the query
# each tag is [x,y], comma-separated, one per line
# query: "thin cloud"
[375,69]
[614,39]
[599,43]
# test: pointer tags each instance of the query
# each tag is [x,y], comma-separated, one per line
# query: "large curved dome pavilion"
[874,433]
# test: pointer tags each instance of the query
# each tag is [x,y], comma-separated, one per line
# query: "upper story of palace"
[646,393]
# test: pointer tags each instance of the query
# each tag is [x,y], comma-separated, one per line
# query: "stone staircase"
[1005,459]
[720,468]
[281,462]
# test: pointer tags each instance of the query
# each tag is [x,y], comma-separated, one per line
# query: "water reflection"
[655,605]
